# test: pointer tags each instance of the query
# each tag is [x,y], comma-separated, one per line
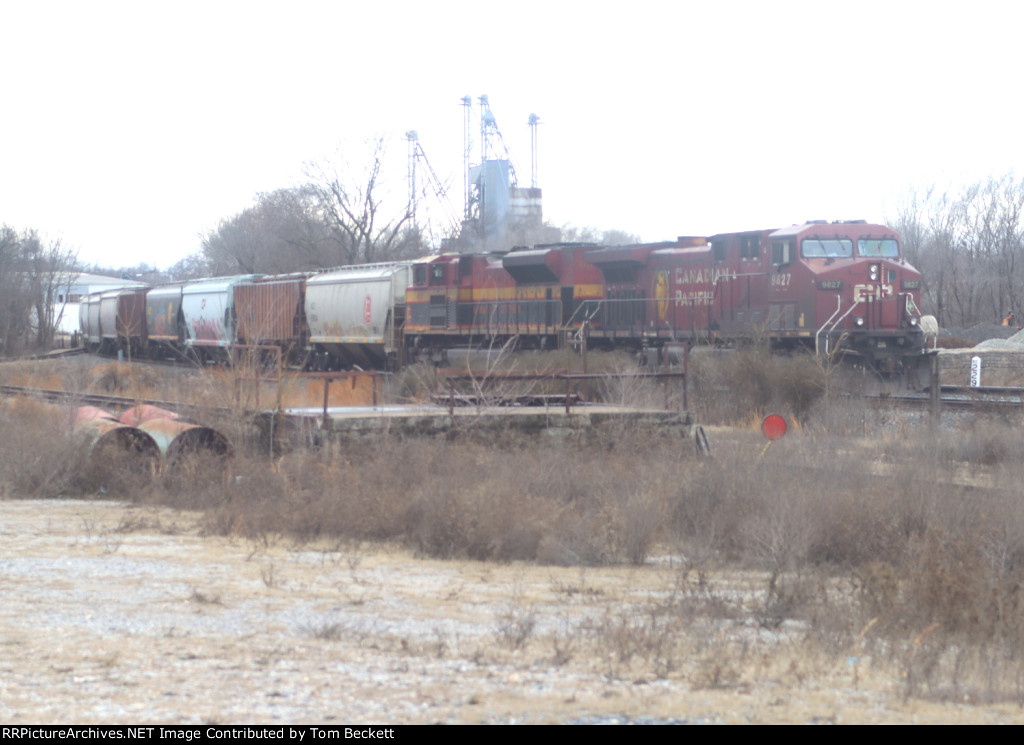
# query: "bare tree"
[194,266]
[293,218]
[330,221]
[969,247]
[35,279]
[53,271]
[281,233]
[572,234]
[14,295]
[351,203]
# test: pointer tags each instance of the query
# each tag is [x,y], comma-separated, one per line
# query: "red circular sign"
[773,426]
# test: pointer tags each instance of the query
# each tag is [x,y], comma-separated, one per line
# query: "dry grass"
[935,568]
[735,386]
[37,456]
[905,547]
[563,503]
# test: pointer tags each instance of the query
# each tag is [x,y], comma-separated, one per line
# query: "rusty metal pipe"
[179,440]
[142,413]
[120,457]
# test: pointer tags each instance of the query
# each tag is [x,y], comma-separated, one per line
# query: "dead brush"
[625,386]
[540,500]
[416,382]
[786,597]
[124,378]
[946,595]
[867,546]
[565,644]
[717,664]
[327,631]
[650,637]
[711,507]
[38,455]
[516,625]
[727,386]
[202,598]
[641,518]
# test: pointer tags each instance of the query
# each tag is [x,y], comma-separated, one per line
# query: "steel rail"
[99,399]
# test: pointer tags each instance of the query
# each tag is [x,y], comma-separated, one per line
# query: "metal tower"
[414,141]
[533,122]
[467,150]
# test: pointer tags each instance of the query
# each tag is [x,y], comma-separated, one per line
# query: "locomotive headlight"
[859,321]
[913,321]
[873,272]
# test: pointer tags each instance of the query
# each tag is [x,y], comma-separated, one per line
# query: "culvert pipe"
[120,457]
[180,441]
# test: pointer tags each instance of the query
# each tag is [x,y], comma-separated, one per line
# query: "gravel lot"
[118,614]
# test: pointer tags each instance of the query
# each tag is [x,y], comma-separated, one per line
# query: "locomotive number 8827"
[840,286]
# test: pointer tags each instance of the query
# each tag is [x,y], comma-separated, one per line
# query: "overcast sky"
[131,128]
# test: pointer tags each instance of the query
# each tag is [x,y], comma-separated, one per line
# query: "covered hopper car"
[356,315]
[114,319]
[328,321]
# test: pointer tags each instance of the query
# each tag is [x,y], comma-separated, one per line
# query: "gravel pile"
[980,332]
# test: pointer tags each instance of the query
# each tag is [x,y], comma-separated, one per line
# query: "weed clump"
[557,502]
[733,386]
[38,455]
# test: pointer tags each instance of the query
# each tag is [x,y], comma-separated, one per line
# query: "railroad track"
[105,401]
[958,396]
[55,354]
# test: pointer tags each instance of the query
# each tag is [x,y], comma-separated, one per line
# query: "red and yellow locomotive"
[531,295]
[841,286]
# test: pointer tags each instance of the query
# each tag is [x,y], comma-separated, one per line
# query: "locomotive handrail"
[597,302]
[817,336]
[839,307]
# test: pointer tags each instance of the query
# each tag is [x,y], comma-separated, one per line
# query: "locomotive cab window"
[874,248]
[826,248]
[782,252]
[419,275]
[718,250]
[750,247]
[437,274]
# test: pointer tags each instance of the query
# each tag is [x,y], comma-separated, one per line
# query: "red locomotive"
[842,286]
